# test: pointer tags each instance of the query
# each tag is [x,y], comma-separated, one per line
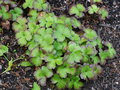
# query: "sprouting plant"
[10,64]
[23,35]
[103,12]
[64,70]
[42,74]
[60,82]
[38,4]
[26,64]
[4,13]
[3,49]
[93,9]
[53,61]
[74,82]
[36,86]
[77,10]
[16,13]
[86,72]
[28,3]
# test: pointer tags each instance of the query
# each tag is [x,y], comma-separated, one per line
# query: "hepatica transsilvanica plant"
[63,56]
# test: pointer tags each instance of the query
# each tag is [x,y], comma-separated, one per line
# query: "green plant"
[61,55]
[4,13]
[3,49]
[93,9]
[16,13]
[103,12]
[38,4]
[77,10]
[36,86]
[42,74]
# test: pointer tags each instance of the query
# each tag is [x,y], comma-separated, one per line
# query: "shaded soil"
[109,30]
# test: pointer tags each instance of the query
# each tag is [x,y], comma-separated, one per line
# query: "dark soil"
[109,30]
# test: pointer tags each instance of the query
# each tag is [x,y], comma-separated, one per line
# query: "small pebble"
[7,72]
[0,67]
[48,89]
[116,82]
[0,82]
[30,85]
[93,88]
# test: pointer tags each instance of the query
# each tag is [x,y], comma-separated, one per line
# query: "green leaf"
[33,13]
[95,59]
[80,7]
[22,41]
[60,83]
[6,16]
[103,55]
[36,61]
[27,35]
[93,9]
[35,52]
[53,61]
[103,13]
[96,69]
[77,10]
[43,72]
[90,34]
[111,50]
[74,10]
[60,45]
[3,49]
[26,63]
[75,83]
[86,72]
[28,3]
[74,57]
[16,13]
[63,71]
[36,86]
[76,23]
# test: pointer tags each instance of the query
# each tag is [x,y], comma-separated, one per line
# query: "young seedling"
[41,5]
[77,10]
[16,13]
[60,82]
[93,9]
[103,12]
[36,86]
[42,74]
[10,64]
[28,3]
[4,13]
[53,62]
[74,82]
[86,72]
[3,50]
[64,70]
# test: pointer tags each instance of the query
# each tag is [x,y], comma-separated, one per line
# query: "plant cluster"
[13,14]
[78,10]
[63,56]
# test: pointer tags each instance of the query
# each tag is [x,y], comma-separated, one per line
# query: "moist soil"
[20,78]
